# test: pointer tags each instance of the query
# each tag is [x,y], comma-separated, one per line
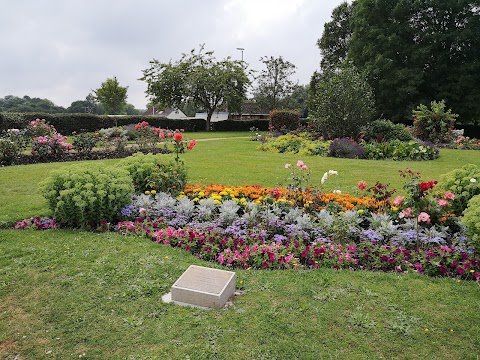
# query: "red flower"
[425,186]
[192,144]
[362,185]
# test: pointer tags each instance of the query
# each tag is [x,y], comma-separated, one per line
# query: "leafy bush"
[156,172]
[384,130]
[401,150]
[295,144]
[341,103]
[140,166]
[346,148]
[283,121]
[83,197]
[434,124]
[168,176]
[471,220]
[464,183]
[9,150]
[84,143]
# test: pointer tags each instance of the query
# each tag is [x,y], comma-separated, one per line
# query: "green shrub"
[283,121]
[400,150]
[155,172]
[9,150]
[84,143]
[140,166]
[471,220]
[301,144]
[168,176]
[83,197]
[384,130]
[434,124]
[464,183]
[341,102]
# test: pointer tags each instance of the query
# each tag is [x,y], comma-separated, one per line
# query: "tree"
[341,103]
[298,100]
[413,52]
[336,35]
[88,106]
[200,79]
[112,96]
[274,84]
[27,104]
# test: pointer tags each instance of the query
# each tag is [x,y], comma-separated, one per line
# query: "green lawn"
[64,293]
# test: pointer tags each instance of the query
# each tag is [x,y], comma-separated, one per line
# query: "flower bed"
[269,228]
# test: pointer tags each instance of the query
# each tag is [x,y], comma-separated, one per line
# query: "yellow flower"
[361,211]
[472,271]
[153,192]
[166,257]
[201,194]
[195,200]
[426,329]
[217,202]
[394,208]
[223,193]
[147,192]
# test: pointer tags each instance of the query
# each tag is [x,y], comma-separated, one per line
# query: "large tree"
[336,35]
[274,84]
[200,79]
[112,96]
[412,52]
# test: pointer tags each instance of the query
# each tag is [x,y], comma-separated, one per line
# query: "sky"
[61,50]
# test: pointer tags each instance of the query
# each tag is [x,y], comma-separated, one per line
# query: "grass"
[76,292]
[68,293]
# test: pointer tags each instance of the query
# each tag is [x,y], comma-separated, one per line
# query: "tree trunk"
[209,117]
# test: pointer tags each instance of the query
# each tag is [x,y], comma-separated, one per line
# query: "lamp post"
[241,49]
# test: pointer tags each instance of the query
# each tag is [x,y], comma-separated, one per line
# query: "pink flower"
[449,195]
[424,217]
[304,167]
[178,137]
[407,213]
[398,200]
[300,163]
[442,202]
[192,144]
[362,185]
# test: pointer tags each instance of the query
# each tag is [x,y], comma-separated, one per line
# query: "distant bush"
[346,148]
[84,143]
[83,197]
[283,121]
[434,124]
[301,144]
[401,150]
[8,151]
[384,130]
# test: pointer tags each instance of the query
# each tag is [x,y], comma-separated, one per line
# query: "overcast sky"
[63,49]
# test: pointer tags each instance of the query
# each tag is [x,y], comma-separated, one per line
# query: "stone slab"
[204,287]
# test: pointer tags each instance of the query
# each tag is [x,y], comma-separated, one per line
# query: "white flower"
[324,177]
[287,166]
[337,191]
[472,180]
[332,172]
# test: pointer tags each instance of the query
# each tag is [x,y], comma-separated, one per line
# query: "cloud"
[61,50]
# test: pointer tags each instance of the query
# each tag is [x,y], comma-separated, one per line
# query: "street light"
[241,49]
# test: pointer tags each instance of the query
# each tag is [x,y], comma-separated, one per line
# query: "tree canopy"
[200,79]
[274,84]
[12,103]
[112,96]
[412,52]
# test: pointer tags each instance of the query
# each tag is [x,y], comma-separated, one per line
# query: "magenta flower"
[300,163]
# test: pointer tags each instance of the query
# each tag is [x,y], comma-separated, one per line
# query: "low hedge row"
[68,123]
